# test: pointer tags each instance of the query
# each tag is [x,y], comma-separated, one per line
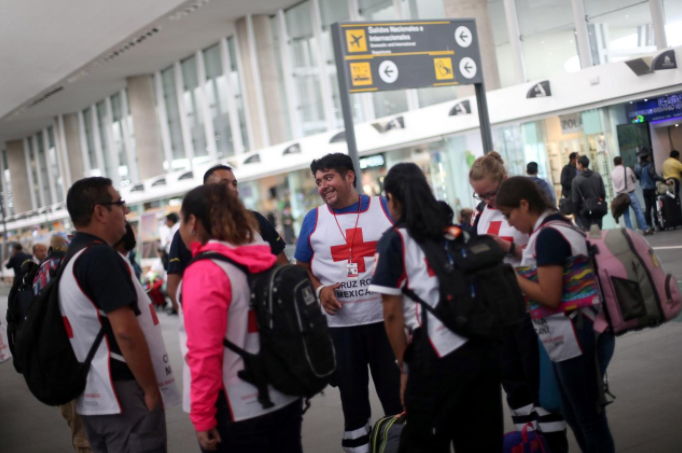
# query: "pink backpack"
[637,292]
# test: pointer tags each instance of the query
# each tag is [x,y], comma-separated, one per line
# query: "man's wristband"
[318,291]
[512,250]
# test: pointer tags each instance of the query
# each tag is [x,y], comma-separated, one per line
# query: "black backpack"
[43,352]
[296,353]
[479,294]
[19,299]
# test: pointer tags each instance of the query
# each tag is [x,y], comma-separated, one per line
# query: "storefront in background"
[601,134]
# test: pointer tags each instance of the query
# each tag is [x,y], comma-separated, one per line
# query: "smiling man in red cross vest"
[337,245]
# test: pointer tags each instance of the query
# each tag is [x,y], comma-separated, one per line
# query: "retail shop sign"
[386,56]
[571,124]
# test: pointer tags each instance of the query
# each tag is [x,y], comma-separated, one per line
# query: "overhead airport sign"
[384,56]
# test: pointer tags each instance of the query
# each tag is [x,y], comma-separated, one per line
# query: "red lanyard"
[357,219]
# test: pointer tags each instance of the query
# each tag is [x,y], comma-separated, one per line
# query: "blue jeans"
[581,388]
[634,204]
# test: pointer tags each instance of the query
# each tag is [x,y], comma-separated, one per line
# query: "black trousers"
[452,400]
[358,348]
[650,207]
[276,432]
[587,221]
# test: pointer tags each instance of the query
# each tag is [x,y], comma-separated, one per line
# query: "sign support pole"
[344,96]
[484,118]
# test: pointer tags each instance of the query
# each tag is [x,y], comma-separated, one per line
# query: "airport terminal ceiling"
[48,45]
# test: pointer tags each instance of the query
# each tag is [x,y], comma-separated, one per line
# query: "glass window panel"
[173,116]
[7,195]
[102,120]
[498,22]
[333,11]
[277,42]
[119,139]
[548,37]
[426,9]
[306,68]
[673,22]
[53,163]
[131,130]
[236,85]
[90,142]
[42,167]
[195,117]
[216,98]
[34,169]
[619,29]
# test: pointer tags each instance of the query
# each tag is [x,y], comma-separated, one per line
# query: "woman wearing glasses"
[520,355]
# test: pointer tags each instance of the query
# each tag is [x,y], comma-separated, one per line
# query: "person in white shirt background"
[624,180]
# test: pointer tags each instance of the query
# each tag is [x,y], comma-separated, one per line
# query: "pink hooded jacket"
[208,303]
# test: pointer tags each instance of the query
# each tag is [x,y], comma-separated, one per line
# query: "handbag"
[566,206]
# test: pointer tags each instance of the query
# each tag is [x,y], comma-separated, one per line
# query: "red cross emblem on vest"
[361,249]
[495,227]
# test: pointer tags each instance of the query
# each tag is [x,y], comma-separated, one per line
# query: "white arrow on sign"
[463,36]
[388,71]
[467,67]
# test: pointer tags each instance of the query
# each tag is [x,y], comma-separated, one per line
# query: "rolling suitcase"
[669,211]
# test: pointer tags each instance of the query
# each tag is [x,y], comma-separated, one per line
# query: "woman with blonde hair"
[520,355]
[215,299]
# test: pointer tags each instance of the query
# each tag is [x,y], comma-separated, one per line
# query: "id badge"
[352,270]
[558,336]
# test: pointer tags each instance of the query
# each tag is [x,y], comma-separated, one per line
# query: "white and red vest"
[84,319]
[242,330]
[491,221]
[331,253]
[421,279]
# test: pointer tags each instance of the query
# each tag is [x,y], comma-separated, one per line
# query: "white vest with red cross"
[491,221]
[83,321]
[340,239]
[242,330]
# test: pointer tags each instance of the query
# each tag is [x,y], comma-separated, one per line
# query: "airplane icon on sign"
[356,40]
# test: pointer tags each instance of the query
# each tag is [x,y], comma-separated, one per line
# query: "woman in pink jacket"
[215,306]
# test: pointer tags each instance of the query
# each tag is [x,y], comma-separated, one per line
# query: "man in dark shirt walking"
[588,195]
[18,258]
[568,173]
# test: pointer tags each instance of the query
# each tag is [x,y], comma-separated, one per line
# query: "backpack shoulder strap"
[570,226]
[218,257]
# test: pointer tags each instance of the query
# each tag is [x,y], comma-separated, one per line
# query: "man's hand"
[209,439]
[152,399]
[328,299]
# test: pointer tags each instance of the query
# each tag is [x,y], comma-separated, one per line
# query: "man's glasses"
[120,202]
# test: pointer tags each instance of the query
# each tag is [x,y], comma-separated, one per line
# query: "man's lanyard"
[357,219]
